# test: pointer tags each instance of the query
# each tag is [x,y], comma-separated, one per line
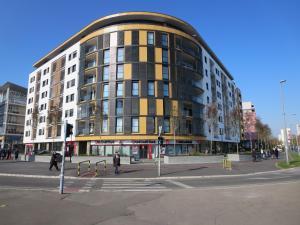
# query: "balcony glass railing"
[90,49]
[90,64]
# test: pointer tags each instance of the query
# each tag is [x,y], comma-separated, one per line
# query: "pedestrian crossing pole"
[62,169]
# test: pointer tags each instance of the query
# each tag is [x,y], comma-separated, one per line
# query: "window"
[207,100]
[45,71]
[74,54]
[73,68]
[120,55]
[205,59]
[70,57]
[105,72]
[219,95]
[165,56]
[32,79]
[41,131]
[105,93]
[120,71]
[71,83]
[135,88]
[119,89]
[27,133]
[71,97]
[150,88]
[69,70]
[165,72]
[164,40]
[28,122]
[45,82]
[71,112]
[150,38]
[167,125]
[44,94]
[206,86]
[31,90]
[135,125]
[119,107]
[105,125]
[106,56]
[166,89]
[119,125]
[105,107]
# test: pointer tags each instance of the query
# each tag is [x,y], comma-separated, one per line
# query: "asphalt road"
[264,199]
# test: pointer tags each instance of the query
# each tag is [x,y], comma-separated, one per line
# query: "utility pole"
[284,121]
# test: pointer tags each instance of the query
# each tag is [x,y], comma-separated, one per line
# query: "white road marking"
[179,184]
[131,185]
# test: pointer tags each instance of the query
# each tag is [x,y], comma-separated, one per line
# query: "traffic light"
[69,130]
[160,140]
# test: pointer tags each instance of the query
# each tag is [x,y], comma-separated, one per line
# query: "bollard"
[78,169]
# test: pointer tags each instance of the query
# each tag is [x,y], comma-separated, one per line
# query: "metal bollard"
[78,169]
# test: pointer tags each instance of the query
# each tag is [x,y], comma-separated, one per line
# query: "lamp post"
[282,82]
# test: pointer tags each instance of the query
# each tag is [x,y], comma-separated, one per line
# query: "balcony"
[89,79]
[90,64]
[90,49]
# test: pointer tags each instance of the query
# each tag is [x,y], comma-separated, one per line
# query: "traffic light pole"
[159,135]
[62,169]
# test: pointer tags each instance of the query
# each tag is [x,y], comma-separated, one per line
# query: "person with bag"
[53,161]
[117,162]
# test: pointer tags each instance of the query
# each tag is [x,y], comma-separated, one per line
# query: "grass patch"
[294,162]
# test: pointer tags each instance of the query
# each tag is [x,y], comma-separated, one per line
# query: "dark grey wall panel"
[135,106]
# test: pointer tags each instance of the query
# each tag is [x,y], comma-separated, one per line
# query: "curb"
[143,178]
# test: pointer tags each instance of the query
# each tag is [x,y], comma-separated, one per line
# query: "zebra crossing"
[132,185]
[88,186]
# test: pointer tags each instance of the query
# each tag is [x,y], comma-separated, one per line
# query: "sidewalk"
[139,170]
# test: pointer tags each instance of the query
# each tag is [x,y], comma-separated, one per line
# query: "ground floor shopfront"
[139,149]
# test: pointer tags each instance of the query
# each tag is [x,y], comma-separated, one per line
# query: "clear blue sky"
[257,40]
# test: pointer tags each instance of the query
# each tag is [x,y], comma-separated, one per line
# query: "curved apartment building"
[120,78]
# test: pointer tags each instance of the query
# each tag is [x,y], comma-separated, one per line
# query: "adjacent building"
[249,122]
[122,77]
[12,115]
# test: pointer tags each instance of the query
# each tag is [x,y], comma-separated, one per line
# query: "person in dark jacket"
[253,152]
[117,162]
[53,161]
[16,154]
[276,153]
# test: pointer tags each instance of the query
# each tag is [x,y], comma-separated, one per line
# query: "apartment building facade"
[120,78]
[12,114]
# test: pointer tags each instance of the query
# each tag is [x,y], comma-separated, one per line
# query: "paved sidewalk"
[147,170]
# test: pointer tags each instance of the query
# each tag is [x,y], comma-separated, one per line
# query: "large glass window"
[119,89]
[164,40]
[166,89]
[105,125]
[105,90]
[106,56]
[119,125]
[150,88]
[150,38]
[119,107]
[135,88]
[105,107]
[105,73]
[165,72]
[165,57]
[167,125]
[120,71]
[135,125]
[120,55]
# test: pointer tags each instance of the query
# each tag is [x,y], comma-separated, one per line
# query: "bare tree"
[212,119]
[235,118]
[174,123]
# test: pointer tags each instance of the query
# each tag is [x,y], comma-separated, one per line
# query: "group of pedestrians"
[265,154]
[7,154]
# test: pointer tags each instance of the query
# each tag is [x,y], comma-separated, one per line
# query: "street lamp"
[284,122]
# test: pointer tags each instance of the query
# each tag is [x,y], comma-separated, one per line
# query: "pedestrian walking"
[53,160]
[9,154]
[117,162]
[253,153]
[16,154]
[276,153]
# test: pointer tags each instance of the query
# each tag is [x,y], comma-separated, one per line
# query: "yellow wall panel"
[170,90]
[155,88]
[158,55]
[142,125]
[158,72]
[143,54]
[159,107]
[127,71]
[127,37]
[143,37]
[143,106]
[174,108]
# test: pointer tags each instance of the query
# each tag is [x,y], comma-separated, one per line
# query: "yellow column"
[143,106]
[142,125]
[143,37]
[159,107]
[143,54]
[127,71]
[127,37]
